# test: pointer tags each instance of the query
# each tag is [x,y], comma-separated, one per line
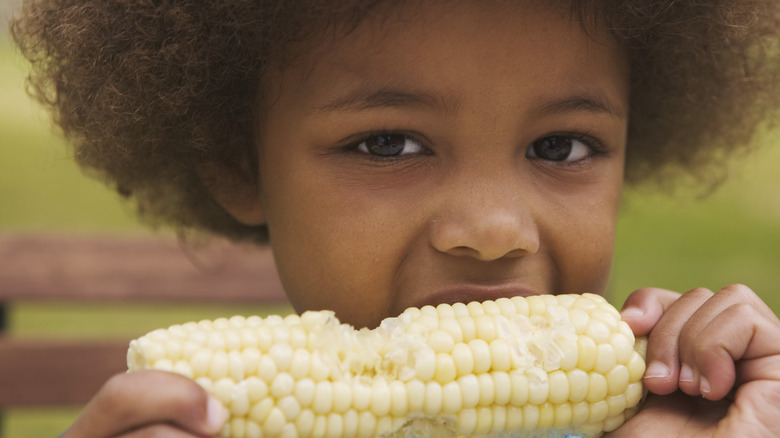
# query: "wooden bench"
[57,268]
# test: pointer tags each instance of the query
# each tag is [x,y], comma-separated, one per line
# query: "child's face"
[449,151]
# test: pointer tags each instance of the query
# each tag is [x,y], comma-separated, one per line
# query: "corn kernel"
[479,368]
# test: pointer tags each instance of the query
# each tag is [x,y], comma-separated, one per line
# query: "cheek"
[334,250]
[584,250]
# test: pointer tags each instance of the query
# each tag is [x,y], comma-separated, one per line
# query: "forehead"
[431,45]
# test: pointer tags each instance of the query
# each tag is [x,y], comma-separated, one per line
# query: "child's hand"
[701,346]
[149,403]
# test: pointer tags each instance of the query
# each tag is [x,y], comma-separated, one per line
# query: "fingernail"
[632,312]
[686,374]
[215,414]
[657,370]
[704,385]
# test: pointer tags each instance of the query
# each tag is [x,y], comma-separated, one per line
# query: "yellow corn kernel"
[515,367]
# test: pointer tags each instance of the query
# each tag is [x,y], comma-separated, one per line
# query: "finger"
[746,295]
[747,336]
[739,332]
[130,401]
[716,335]
[664,374]
[725,339]
[644,308]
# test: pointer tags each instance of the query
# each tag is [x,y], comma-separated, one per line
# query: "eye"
[389,145]
[559,148]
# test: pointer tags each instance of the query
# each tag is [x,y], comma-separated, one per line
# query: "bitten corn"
[542,366]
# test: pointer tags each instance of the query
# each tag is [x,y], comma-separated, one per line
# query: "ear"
[234,190]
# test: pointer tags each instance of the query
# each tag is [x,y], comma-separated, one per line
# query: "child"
[406,153]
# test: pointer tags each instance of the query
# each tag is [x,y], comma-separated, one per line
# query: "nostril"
[466,251]
[498,252]
[483,235]
[463,251]
[517,252]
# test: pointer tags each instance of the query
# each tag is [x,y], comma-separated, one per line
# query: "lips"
[468,293]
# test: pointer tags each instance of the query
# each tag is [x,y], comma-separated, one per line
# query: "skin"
[473,208]
[463,213]
[700,345]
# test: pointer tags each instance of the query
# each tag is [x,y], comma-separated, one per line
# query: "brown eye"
[558,148]
[389,145]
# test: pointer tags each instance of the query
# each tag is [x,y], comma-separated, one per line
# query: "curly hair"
[147,91]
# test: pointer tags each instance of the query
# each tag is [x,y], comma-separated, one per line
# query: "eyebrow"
[592,103]
[370,98]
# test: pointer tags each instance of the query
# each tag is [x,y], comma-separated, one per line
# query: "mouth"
[468,293]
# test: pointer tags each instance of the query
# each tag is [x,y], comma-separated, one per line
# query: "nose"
[486,222]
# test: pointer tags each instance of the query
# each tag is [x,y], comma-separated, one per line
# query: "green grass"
[681,242]
[674,242]
[40,187]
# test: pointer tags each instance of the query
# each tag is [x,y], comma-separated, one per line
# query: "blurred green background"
[677,242]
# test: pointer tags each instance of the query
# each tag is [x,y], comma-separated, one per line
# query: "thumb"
[214,418]
[146,398]
[645,307]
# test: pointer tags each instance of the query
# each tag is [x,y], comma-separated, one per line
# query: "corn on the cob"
[542,366]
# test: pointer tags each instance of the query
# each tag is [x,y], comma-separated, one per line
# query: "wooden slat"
[56,372]
[119,268]
[37,372]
